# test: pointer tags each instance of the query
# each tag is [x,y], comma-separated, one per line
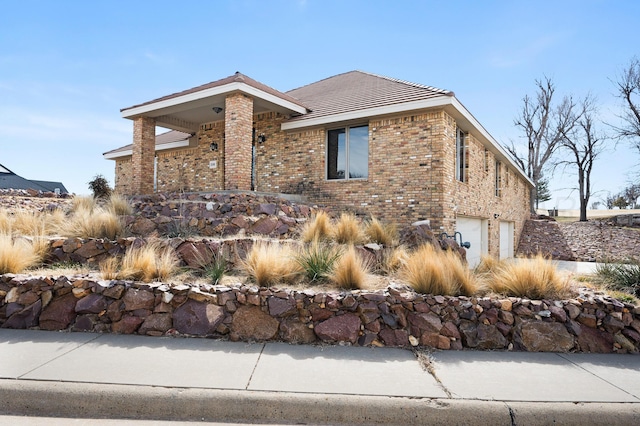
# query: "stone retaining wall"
[583,241]
[396,316]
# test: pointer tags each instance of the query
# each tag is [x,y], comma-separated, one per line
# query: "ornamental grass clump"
[271,263]
[623,277]
[384,234]
[350,270]
[318,259]
[347,230]
[534,278]
[17,254]
[119,205]
[149,262]
[317,228]
[431,271]
[96,223]
[392,259]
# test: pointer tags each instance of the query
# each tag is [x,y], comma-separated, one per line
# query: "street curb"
[90,400]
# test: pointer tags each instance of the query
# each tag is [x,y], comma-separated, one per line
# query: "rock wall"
[396,316]
[583,241]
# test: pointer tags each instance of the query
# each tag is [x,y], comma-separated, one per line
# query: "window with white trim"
[348,153]
[462,156]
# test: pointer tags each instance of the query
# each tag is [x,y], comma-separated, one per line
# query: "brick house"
[394,149]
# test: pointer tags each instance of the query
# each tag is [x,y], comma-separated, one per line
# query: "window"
[462,156]
[348,153]
[498,178]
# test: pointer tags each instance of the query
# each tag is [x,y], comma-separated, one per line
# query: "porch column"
[238,126]
[144,147]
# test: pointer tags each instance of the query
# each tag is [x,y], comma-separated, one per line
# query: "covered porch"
[235,99]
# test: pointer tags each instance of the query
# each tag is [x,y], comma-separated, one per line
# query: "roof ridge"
[409,83]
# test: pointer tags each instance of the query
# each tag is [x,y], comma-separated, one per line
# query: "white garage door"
[475,231]
[506,239]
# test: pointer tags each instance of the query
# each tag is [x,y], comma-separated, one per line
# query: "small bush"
[100,187]
[347,230]
[17,254]
[149,262]
[119,205]
[378,233]
[350,271]
[317,228]
[317,260]
[270,263]
[432,271]
[621,276]
[535,278]
[211,265]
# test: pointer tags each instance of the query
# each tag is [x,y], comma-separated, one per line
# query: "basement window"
[348,153]
[462,156]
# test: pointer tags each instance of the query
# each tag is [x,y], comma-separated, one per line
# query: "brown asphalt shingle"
[357,90]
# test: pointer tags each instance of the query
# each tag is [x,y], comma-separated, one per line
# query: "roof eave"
[229,88]
[114,155]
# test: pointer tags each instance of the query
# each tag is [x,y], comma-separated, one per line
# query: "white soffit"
[213,91]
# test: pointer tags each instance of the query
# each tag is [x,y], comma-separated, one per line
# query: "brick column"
[142,159]
[238,125]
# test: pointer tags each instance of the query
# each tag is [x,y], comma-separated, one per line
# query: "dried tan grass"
[317,228]
[6,224]
[392,259]
[487,265]
[109,268]
[149,262]
[119,205]
[96,223]
[385,234]
[350,271]
[271,263]
[83,202]
[534,278]
[347,230]
[17,254]
[431,271]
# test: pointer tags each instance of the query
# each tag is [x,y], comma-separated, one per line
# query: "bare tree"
[632,193]
[583,143]
[628,88]
[544,124]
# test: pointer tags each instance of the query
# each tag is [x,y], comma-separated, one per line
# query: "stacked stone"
[395,317]
[217,214]
[14,202]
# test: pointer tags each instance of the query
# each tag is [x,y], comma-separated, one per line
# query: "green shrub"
[100,187]
[621,276]
[318,259]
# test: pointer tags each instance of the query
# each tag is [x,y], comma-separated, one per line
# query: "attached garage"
[475,231]
[507,230]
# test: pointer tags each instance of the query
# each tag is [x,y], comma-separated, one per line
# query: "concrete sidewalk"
[82,375]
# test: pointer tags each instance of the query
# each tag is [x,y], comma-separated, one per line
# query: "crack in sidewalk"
[426,362]
[255,366]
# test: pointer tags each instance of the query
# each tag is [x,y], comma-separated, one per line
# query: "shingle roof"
[358,90]
[235,78]
[161,139]
[10,180]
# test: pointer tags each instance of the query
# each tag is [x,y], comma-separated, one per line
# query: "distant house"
[397,150]
[10,180]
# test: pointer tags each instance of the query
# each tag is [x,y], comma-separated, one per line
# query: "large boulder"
[539,336]
[251,323]
[342,328]
[198,318]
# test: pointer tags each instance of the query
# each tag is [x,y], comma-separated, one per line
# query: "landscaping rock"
[343,328]
[538,336]
[156,323]
[594,340]
[197,318]
[127,325]
[251,323]
[138,299]
[91,304]
[294,331]
[59,313]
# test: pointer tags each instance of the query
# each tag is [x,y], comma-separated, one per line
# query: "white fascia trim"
[369,112]
[483,132]
[163,147]
[219,90]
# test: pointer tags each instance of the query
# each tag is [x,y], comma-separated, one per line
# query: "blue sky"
[68,67]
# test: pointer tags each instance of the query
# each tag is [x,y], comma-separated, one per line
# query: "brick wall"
[144,141]
[411,171]
[238,121]
[124,176]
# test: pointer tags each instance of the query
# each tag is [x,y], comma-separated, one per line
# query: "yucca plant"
[621,276]
[318,259]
